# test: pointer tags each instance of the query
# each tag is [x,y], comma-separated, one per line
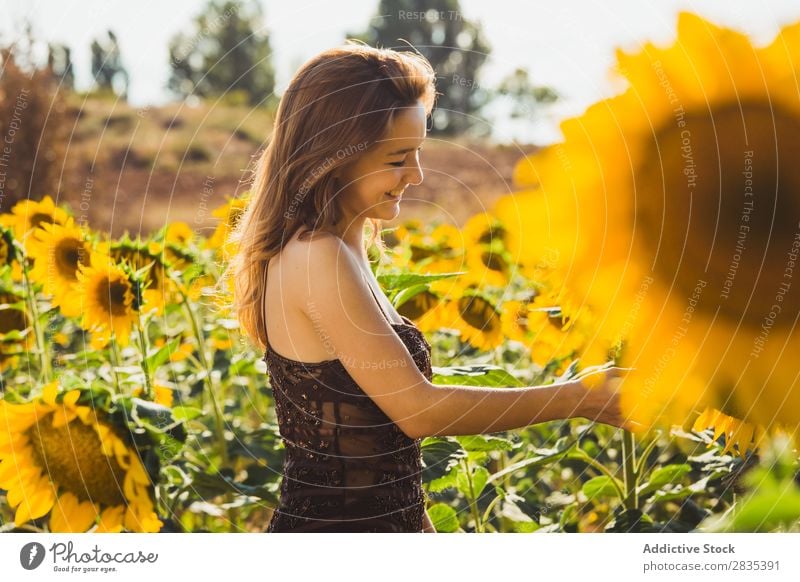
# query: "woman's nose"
[415,174]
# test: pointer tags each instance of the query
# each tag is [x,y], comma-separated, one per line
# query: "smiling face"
[372,186]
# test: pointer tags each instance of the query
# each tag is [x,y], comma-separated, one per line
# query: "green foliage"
[110,75]
[227,54]
[455,47]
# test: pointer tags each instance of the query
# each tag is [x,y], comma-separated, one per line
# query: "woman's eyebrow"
[402,151]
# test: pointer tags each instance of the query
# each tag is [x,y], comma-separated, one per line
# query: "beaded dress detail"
[348,467]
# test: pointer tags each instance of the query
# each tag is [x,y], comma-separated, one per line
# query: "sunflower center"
[418,305]
[494,261]
[717,209]
[72,457]
[478,313]
[111,297]
[68,253]
[39,218]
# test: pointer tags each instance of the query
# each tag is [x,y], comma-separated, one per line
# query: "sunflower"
[28,215]
[488,266]
[16,336]
[677,222]
[159,289]
[57,251]
[477,319]
[8,254]
[229,215]
[107,299]
[738,434]
[551,332]
[179,233]
[427,310]
[484,228]
[62,458]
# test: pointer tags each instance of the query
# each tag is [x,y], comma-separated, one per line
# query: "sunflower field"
[661,235]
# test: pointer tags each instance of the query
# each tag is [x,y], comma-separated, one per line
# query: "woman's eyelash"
[398,164]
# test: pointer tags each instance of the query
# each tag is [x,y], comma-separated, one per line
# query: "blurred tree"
[108,71]
[527,98]
[227,54]
[456,47]
[34,125]
[59,60]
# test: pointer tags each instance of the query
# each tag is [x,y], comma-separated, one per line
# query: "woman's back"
[348,467]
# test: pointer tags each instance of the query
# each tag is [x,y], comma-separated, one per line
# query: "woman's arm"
[464,410]
[338,303]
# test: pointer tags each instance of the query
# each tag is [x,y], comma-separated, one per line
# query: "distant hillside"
[138,169]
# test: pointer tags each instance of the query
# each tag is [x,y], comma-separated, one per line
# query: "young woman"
[351,378]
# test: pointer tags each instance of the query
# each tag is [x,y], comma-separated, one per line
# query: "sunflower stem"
[117,359]
[473,503]
[201,351]
[629,466]
[30,296]
[141,336]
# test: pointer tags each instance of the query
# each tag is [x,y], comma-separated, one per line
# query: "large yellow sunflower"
[57,251]
[159,289]
[62,458]
[676,213]
[107,299]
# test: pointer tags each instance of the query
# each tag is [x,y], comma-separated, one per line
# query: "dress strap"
[375,297]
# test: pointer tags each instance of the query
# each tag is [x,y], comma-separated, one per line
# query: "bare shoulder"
[317,261]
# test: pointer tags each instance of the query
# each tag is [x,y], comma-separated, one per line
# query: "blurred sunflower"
[16,336]
[8,254]
[551,332]
[484,228]
[27,215]
[740,435]
[62,458]
[487,265]
[427,310]
[107,299]
[476,318]
[57,251]
[229,215]
[677,222]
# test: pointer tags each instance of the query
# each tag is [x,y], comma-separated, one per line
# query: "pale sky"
[568,45]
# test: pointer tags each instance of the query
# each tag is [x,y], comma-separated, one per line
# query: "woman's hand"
[600,395]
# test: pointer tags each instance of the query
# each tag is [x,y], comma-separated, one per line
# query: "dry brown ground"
[136,171]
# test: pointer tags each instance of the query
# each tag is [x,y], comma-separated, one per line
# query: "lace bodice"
[348,467]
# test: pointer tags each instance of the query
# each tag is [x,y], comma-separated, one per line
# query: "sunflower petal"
[71,515]
[111,520]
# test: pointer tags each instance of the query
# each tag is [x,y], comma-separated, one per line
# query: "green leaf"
[475,375]
[480,477]
[407,294]
[444,518]
[665,475]
[162,354]
[183,413]
[542,457]
[602,486]
[397,281]
[484,443]
[440,456]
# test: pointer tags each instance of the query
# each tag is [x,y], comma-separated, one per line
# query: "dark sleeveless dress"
[348,467]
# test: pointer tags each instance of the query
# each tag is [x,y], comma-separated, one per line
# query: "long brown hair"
[335,108]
